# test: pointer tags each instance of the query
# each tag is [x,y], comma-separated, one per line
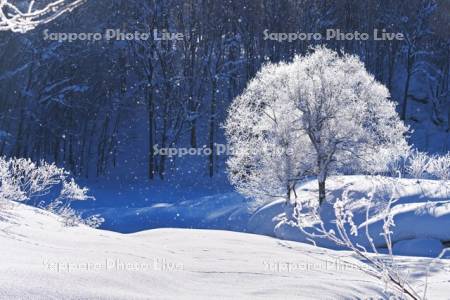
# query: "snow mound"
[227,211]
[41,259]
[422,212]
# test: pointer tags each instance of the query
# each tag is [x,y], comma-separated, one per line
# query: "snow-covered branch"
[22,17]
[373,248]
[379,266]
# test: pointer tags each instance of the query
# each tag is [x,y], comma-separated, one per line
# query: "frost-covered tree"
[23,16]
[347,115]
[270,151]
[326,108]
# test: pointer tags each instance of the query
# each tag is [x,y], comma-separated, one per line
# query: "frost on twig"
[23,16]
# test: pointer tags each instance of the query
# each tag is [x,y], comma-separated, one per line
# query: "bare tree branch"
[22,19]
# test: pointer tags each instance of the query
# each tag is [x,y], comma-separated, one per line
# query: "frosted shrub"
[73,192]
[94,221]
[439,167]
[395,168]
[61,206]
[418,164]
[71,218]
[22,180]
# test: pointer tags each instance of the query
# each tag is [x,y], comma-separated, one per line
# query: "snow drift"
[421,212]
[41,259]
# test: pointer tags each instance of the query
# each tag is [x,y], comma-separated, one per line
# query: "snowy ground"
[40,259]
[422,212]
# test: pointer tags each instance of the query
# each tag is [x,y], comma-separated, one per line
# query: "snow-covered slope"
[41,259]
[421,212]
[217,211]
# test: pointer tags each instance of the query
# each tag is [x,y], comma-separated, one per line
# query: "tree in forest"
[23,17]
[81,104]
[333,114]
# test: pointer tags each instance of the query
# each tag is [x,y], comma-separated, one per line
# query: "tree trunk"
[405,93]
[162,159]
[392,60]
[194,134]
[212,124]
[322,196]
[151,121]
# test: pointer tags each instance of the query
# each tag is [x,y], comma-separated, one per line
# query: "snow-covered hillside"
[41,259]
[421,212]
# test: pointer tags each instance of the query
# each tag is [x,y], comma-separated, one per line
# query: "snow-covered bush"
[94,221]
[327,108]
[27,15]
[421,165]
[439,167]
[418,164]
[61,206]
[396,167]
[22,180]
[69,217]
